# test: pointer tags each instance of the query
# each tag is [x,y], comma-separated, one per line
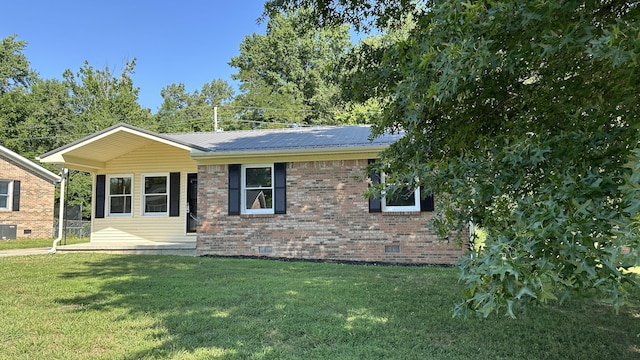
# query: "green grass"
[37,243]
[99,306]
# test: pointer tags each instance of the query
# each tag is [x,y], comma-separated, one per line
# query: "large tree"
[287,75]
[101,98]
[14,66]
[523,118]
[183,112]
[38,115]
[15,76]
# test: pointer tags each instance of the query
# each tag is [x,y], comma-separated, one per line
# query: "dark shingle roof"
[285,139]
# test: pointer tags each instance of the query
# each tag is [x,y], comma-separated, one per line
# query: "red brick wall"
[35,218]
[327,218]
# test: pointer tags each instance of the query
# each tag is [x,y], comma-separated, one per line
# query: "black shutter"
[375,204]
[426,203]
[174,194]
[100,192]
[16,196]
[280,183]
[234,189]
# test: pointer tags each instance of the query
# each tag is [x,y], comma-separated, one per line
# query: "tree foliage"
[39,115]
[14,66]
[184,112]
[522,116]
[101,99]
[288,75]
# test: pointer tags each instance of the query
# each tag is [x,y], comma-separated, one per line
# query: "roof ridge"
[287,129]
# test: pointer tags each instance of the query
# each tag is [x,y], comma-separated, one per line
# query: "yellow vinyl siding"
[153,158]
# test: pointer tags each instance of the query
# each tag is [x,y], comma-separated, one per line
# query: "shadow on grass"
[228,308]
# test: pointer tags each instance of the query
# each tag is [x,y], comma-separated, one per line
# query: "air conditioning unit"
[8,232]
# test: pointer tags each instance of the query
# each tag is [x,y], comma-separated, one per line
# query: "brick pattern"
[35,218]
[327,218]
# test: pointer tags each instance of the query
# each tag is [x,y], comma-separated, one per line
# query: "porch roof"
[92,152]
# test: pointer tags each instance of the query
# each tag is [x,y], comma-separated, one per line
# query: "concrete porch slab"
[141,247]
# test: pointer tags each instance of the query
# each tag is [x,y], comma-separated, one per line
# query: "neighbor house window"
[155,196]
[119,195]
[5,195]
[403,199]
[257,189]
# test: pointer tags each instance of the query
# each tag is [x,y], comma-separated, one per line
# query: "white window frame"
[143,195]
[108,186]
[411,208]
[243,190]
[9,195]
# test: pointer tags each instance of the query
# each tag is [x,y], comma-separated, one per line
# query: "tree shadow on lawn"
[230,308]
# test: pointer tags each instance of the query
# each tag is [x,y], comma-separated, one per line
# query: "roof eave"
[49,156]
[290,155]
[30,165]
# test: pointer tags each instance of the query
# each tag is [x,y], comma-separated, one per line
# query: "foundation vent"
[392,248]
[265,249]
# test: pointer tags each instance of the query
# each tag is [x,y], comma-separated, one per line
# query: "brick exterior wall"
[35,218]
[327,218]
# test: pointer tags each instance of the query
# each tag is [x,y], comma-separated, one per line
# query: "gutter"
[63,181]
[335,153]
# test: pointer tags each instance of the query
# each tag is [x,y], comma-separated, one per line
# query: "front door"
[192,203]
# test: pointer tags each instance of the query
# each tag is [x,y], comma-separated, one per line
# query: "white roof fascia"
[344,153]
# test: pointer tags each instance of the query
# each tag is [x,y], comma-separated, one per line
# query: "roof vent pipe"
[215,119]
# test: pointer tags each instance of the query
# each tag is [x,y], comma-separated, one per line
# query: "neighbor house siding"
[34,218]
[327,218]
[155,158]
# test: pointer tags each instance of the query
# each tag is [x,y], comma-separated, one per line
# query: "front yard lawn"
[99,306]
[38,243]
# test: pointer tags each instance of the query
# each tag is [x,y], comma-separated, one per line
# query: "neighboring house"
[286,193]
[27,193]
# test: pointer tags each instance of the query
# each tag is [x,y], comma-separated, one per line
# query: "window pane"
[258,177]
[155,203]
[259,199]
[120,186]
[403,197]
[3,202]
[120,205]
[155,185]
[4,187]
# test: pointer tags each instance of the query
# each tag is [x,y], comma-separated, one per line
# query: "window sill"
[400,213]
[258,215]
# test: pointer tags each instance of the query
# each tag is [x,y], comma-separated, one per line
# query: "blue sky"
[188,41]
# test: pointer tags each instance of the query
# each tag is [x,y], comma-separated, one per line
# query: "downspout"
[63,182]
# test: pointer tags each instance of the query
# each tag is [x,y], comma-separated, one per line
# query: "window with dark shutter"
[234,189]
[118,195]
[155,194]
[375,204]
[280,184]
[100,191]
[257,189]
[174,194]
[427,204]
[5,194]
[16,195]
